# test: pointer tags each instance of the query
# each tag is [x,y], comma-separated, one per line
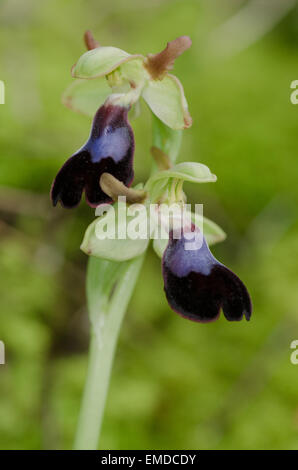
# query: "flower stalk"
[102,349]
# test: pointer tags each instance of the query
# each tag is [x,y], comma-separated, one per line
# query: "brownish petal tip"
[187,120]
[159,64]
[89,40]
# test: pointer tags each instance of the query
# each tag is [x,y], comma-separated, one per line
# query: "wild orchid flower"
[109,149]
[197,286]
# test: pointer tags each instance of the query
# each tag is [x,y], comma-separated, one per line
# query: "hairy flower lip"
[198,287]
[109,149]
[193,317]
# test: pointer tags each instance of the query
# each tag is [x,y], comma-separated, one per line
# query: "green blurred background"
[175,384]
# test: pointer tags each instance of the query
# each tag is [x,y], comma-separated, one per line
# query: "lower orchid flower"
[109,149]
[197,286]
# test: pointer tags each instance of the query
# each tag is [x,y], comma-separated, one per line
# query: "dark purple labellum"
[197,286]
[109,149]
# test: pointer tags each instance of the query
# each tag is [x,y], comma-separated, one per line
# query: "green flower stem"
[166,139]
[101,359]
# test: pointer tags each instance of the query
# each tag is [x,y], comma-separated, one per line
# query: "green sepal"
[167,101]
[117,245]
[86,96]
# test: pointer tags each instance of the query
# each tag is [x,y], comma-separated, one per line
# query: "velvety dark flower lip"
[197,286]
[109,149]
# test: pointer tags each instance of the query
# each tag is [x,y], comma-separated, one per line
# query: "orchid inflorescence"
[109,83]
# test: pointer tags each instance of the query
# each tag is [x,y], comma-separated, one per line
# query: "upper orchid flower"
[197,286]
[109,149]
[105,70]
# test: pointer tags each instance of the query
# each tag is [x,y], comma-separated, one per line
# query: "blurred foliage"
[175,384]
